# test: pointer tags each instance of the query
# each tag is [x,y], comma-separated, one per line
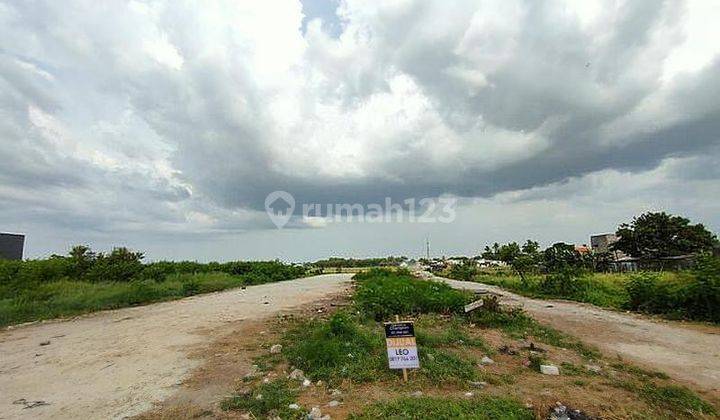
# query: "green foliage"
[565,283]
[694,295]
[463,271]
[519,325]
[268,400]
[676,398]
[382,294]
[677,401]
[34,300]
[119,265]
[562,258]
[340,348]
[452,335]
[445,408]
[652,236]
[441,365]
[703,295]
[335,262]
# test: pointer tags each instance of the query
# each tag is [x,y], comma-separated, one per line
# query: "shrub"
[703,295]
[118,266]
[381,294]
[564,283]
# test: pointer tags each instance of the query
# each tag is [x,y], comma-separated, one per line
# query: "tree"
[563,257]
[492,253]
[653,236]
[522,259]
[81,259]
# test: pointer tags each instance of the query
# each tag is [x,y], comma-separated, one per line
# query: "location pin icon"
[279,206]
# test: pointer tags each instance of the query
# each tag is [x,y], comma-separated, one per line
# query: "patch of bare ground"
[228,360]
[602,388]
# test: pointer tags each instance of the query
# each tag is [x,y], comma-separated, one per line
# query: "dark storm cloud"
[183,117]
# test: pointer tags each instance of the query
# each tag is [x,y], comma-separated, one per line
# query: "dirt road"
[686,352]
[115,364]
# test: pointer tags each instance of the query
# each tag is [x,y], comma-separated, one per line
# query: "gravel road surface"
[114,364]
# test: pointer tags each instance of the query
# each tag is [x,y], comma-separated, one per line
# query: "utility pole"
[427,248]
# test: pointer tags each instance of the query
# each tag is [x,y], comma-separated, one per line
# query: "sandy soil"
[687,352]
[115,364]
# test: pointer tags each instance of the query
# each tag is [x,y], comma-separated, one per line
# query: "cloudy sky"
[163,125]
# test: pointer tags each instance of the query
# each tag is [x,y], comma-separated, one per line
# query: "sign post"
[401,346]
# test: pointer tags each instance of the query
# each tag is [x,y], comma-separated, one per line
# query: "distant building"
[582,249]
[11,246]
[601,243]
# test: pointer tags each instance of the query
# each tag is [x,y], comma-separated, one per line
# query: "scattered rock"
[335,393]
[486,361]
[333,403]
[297,374]
[306,383]
[293,406]
[549,306]
[276,348]
[529,345]
[549,370]
[266,303]
[319,383]
[416,394]
[561,412]
[325,417]
[469,394]
[30,404]
[593,368]
[45,343]
[259,397]
[477,384]
[508,350]
[315,414]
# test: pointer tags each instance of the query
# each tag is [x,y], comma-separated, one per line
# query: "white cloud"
[181,117]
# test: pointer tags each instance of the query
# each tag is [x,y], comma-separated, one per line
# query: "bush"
[118,266]
[703,295]
[564,283]
[382,294]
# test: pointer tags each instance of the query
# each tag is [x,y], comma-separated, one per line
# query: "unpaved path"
[687,352]
[115,364]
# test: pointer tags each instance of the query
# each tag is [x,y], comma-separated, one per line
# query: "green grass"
[601,289]
[445,408]
[674,401]
[451,333]
[443,366]
[519,325]
[381,294]
[268,400]
[65,298]
[340,348]
[639,372]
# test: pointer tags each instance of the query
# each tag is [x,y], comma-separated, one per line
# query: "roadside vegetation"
[689,294]
[679,277]
[85,281]
[483,365]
